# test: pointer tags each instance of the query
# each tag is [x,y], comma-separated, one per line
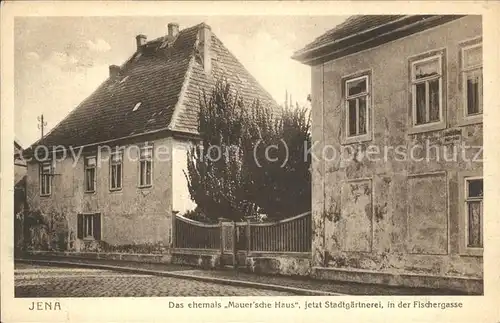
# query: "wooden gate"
[234,248]
[235,241]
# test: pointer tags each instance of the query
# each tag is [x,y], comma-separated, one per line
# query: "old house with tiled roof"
[20,169]
[394,96]
[149,108]
[19,163]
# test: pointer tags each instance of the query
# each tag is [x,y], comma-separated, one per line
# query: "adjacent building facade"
[393,97]
[117,174]
[19,165]
[19,194]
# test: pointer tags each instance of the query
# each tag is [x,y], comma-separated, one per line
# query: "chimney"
[114,71]
[140,40]
[173,29]
[204,43]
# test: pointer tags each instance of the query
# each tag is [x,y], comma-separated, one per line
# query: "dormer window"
[124,79]
[136,106]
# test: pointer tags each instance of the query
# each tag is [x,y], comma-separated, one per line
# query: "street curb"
[224,281]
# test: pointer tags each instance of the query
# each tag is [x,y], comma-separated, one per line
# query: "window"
[474,212]
[471,213]
[90,173]
[357,105]
[145,166]
[115,170]
[472,79]
[89,226]
[427,90]
[45,179]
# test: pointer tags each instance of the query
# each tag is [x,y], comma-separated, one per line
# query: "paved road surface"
[49,281]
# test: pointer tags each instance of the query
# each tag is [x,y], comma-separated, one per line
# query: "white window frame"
[463,75]
[145,160]
[348,97]
[345,80]
[464,249]
[85,168]
[113,171]
[426,80]
[48,176]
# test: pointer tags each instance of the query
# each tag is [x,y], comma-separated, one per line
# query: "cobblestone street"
[50,281]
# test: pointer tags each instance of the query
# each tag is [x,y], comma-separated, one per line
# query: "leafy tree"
[251,158]
[215,175]
[275,147]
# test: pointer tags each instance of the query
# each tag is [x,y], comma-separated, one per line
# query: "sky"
[59,61]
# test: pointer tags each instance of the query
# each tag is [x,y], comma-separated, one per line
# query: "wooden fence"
[190,234]
[289,235]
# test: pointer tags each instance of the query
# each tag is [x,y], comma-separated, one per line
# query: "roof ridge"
[345,24]
[185,84]
[123,67]
[245,69]
[170,78]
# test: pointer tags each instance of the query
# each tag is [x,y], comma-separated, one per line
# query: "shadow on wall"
[41,231]
[35,231]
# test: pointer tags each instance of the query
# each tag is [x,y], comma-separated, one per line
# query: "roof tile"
[351,26]
[155,79]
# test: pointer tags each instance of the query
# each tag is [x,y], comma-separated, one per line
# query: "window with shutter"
[97,226]
[89,226]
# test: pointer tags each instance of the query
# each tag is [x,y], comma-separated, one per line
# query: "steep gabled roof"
[18,151]
[17,144]
[157,89]
[350,27]
[365,31]
[224,66]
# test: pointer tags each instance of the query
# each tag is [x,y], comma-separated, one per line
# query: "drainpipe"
[172,234]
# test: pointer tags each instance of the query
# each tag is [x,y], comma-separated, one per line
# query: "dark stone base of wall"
[274,264]
[151,258]
[471,286]
[279,265]
[205,259]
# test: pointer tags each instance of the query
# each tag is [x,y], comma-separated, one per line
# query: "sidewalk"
[296,285]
